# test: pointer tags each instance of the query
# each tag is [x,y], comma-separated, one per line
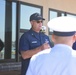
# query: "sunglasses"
[39,21]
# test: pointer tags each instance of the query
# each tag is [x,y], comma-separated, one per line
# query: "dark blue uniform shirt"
[30,40]
[74,46]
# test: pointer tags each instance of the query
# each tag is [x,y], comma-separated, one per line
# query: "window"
[8,29]
[53,14]
[2,26]
[71,15]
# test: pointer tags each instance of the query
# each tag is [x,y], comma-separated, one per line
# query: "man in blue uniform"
[33,41]
[61,59]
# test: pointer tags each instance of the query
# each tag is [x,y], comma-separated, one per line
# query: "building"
[14,21]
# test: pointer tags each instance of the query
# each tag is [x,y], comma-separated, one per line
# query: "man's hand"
[45,46]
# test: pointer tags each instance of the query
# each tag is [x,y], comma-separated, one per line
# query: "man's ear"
[74,38]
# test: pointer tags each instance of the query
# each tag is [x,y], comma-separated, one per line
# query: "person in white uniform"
[61,59]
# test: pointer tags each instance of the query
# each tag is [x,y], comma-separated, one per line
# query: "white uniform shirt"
[61,60]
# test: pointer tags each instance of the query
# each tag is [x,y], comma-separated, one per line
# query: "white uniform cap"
[63,26]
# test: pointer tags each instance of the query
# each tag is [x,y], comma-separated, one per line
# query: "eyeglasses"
[39,21]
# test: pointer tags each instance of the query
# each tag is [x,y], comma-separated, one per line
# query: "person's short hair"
[36,16]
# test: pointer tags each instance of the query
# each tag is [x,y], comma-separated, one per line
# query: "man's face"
[36,25]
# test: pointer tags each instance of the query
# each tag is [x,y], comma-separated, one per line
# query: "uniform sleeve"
[23,43]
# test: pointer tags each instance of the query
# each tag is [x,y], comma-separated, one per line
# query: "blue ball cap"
[36,16]
[63,26]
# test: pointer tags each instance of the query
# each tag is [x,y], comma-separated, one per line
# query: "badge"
[34,41]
